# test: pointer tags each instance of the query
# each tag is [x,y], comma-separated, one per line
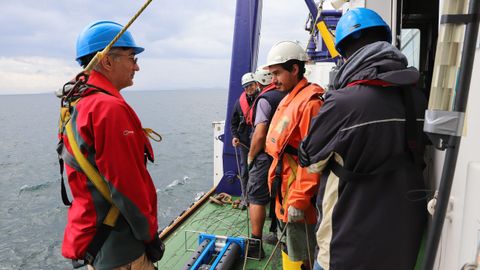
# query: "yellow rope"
[152,134]
[99,56]
[92,174]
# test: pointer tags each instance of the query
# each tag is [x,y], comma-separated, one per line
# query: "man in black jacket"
[367,143]
[241,127]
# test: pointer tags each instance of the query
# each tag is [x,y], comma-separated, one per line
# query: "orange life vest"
[289,126]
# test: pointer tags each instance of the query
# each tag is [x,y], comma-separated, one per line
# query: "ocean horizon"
[32,215]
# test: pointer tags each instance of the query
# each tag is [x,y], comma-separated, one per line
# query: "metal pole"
[463,87]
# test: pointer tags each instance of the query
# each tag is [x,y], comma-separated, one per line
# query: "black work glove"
[155,249]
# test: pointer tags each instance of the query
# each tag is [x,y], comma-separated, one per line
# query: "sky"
[187,43]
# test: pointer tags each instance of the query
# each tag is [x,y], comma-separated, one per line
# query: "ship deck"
[181,237]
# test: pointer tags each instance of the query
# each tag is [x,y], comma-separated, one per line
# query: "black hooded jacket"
[376,219]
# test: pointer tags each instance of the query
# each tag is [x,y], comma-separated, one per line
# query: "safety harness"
[73,92]
[289,152]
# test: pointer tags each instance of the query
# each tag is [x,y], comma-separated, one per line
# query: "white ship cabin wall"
[461,232]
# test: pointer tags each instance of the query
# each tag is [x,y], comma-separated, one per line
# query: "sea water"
[32,215]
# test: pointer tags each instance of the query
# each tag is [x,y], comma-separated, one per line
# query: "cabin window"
[410,41]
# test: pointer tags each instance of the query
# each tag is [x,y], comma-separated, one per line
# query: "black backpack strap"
[277,183]
[273,217]
[60,149]
[63,190]
[392,164]
[291,150]
[413,139]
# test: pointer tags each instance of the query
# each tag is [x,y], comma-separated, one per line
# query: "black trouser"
[243,170]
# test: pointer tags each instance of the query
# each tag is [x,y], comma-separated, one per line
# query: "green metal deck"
[212,219]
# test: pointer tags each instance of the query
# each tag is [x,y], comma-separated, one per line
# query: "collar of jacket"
[98,79]
[368,62]
[300,85]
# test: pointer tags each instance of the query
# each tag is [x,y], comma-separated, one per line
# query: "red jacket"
[110,134]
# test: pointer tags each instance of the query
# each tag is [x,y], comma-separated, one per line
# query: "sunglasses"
[131,57]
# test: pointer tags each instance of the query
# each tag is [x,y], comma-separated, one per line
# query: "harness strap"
[97,180]
[277,181]
[370,82]
[289,151]
[273,217]
[66,201]
[412,138]
[92,173]
[392,164]
[291,178]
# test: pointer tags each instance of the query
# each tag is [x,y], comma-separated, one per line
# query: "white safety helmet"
[247,78]
[284,51]
[262,76]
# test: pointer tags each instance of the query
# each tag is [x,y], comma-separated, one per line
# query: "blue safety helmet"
[354,21]
[96,36]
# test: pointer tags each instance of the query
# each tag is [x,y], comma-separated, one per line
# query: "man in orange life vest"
[241,127]
[293,188]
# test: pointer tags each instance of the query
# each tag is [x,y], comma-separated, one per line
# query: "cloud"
[201,37]
[182,74]
[188,43]
[28,75]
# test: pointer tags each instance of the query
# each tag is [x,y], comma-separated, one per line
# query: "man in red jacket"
[111,137]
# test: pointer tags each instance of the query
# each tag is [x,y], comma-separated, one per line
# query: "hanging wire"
[276,246]
[245,255]
[308,246]
[238,164]
[243,191]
